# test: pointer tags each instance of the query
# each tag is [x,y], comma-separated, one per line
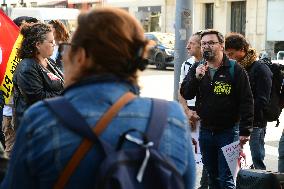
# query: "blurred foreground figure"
[101,65]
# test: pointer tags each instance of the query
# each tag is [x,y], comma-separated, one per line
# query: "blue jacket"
[43,146]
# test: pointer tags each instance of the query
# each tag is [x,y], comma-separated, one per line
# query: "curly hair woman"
[36,77]
[61,35]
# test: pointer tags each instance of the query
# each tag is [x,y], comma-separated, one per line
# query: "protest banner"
[232,154]
[10,42]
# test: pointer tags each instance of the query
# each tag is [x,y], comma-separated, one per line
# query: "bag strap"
[86,144]
[69,117]
[158,121]
[232,68]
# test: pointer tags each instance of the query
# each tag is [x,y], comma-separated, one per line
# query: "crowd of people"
[221,97]
[97,72]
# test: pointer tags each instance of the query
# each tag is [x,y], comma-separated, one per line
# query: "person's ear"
[223,47]
[80,57]
[38,45]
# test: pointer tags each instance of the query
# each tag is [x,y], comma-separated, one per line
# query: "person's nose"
[53,43]
[188,47]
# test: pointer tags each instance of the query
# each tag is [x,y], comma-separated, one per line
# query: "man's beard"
[208,55]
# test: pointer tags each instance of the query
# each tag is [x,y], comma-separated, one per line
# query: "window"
[238,17]
[149,16]
[209,7]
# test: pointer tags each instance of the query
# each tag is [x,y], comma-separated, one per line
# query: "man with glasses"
[224,103]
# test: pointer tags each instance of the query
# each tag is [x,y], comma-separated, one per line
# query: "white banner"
[232,154]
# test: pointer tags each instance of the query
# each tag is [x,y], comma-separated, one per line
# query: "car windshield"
[167,39]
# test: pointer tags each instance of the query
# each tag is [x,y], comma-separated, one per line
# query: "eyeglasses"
[210,43]
[63,48]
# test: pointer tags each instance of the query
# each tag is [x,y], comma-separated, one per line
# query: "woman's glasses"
[63,48]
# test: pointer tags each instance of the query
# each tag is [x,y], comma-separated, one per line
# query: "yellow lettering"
[221,88]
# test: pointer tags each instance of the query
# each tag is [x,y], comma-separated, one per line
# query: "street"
[156,83]
[160,84]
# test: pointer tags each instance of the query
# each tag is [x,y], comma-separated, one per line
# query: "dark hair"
[61,32]
[198,33]
[236,41]
[113,39]
[32,34]
[212,31]
[19,20]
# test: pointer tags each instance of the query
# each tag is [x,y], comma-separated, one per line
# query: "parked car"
[279,58]
[162,54]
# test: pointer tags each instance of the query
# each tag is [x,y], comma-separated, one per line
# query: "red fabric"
[10,40]
[9,33]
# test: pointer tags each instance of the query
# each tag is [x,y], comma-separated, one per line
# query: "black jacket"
[33,82]
[223,101]
[260,78]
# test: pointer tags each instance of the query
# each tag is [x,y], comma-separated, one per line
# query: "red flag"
[10,41]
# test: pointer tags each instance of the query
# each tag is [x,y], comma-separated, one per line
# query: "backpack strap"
[69,117]
[86,144]
[232,68]
[158,121]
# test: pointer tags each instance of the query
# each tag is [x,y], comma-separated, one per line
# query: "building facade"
[155,15]
[234,16]
[259,20]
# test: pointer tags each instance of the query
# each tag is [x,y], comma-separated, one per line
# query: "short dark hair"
[213,31]
[198,32]
[236,41]
[19,20]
